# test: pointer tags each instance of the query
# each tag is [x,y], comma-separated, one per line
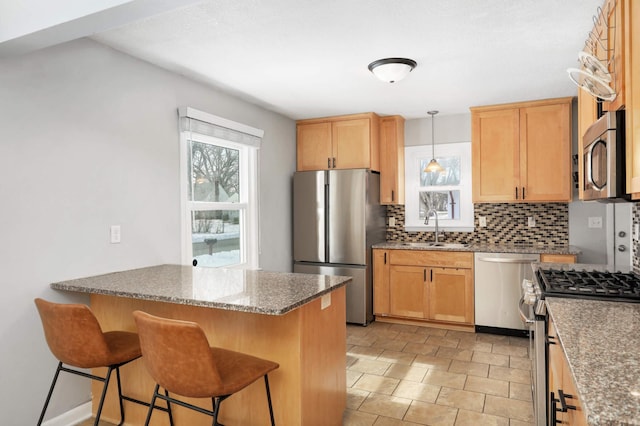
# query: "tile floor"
[408,375]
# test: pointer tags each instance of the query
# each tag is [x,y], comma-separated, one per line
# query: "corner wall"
[89,139]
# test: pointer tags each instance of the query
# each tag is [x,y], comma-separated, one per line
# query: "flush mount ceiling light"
[391,70]
[433,165]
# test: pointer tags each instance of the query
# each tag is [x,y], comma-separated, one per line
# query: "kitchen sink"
[436,245]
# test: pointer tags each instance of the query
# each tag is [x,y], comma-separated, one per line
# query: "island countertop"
[601,341]
[262,292]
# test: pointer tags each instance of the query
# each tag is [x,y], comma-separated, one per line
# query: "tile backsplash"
[506,224]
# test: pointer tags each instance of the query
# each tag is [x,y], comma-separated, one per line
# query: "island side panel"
[309,343]
[268,336]
[323,359]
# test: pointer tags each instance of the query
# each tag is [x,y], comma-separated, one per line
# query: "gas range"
[589,284]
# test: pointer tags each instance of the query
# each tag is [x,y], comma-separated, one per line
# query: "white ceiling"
[308,58]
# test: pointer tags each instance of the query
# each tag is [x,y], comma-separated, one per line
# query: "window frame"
[247,204]
[413,156]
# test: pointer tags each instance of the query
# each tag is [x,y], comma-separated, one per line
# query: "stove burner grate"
[591,284]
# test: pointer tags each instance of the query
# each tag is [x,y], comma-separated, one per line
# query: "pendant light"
[433,165]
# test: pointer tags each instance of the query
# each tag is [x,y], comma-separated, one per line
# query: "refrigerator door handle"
[327,222]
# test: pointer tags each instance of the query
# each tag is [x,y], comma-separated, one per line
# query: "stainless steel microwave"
[603,157]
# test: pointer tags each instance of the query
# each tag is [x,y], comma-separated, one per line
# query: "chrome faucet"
[433,211]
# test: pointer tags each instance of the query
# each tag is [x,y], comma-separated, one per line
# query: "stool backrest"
[178,356]
[73,334]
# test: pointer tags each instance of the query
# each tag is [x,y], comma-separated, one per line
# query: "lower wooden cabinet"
[408,291]
[564,405]
[423,285]
[451,295]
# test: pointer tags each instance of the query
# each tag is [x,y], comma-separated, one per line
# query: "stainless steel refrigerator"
[337,216]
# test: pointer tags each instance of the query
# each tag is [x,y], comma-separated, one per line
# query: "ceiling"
[308,58]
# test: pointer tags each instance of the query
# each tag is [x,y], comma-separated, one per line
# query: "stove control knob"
[622,247]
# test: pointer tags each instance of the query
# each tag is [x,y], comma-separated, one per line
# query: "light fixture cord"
[433,140]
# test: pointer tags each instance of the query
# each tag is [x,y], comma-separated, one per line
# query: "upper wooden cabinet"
[392,160]
[344,142]
[522,152]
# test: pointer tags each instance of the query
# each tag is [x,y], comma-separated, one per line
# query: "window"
[220,203]
[445,194]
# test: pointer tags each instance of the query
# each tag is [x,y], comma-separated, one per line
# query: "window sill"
[442,228]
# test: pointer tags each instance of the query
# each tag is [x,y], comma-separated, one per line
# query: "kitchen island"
[600,341]
[296,320]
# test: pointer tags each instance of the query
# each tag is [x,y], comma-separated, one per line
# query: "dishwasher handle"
[523,260]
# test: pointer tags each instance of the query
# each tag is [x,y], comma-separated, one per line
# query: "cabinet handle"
[334,162]
[563,403]
[554,409]
[328,162]
[385,258]
[550,340]
[523,195]
[431,278]
[392,195]
[424,273]
[516,192]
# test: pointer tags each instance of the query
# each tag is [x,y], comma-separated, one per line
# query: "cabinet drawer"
[450,259]
[558,258]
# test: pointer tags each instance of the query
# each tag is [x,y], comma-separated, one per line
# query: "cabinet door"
[587,115]
[545,152]
[451,295]
[554,373]
[314,146]
[613,37]
[495,154]
[380,282]
[407,291]
[351,144]
[574,416]
[392,160]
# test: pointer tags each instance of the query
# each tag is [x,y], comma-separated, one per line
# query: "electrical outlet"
[595,222]
[531,221]
[636,231]
[115,234]
[392,221]
[482,221]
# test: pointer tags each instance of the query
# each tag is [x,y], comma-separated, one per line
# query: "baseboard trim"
[71,417]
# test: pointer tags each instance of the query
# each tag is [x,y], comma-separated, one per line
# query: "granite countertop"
[271,293]
[480,247]
[602,345]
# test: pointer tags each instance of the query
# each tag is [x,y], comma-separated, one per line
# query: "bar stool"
[178,357]
[75,338]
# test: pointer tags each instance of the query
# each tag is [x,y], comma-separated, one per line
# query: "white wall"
[89,138]
[448,129]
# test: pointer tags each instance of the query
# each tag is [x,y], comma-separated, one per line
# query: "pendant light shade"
[391,70]
[433,165]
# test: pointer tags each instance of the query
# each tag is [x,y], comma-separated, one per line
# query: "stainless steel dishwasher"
[498,288]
